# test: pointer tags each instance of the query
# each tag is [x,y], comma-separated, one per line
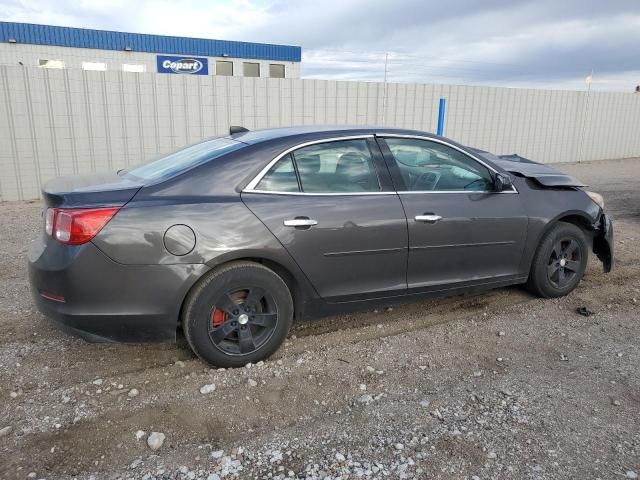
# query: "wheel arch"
[575,217]
[538,231]
[299,287]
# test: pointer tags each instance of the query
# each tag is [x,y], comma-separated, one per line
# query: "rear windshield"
[183,159]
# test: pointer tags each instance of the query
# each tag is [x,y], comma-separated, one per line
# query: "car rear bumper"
[603,241]
[102,300]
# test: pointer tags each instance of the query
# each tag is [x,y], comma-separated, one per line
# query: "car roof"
[262,135]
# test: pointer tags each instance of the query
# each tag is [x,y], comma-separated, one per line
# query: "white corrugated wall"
[64,122]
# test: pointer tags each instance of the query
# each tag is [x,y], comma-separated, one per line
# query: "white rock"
[631,474]
[155,440]
[340,457]
[252,382]
[217,453]
[13,394]
[6,431]
[213,476]
[491,455]
[98,381]
[139,435]
[133,392]
[424,403]
[209,388]
[398,446]
[363,387]
[276,456]
[365,398]
[32,475]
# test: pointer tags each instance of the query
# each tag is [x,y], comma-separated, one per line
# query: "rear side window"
[184,159]
[281,178]
[335,167]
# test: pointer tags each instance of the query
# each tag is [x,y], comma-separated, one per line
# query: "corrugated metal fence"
[64,122]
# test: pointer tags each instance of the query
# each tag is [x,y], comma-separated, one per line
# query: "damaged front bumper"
[603,241]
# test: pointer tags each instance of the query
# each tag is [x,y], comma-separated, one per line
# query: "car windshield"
[184,159]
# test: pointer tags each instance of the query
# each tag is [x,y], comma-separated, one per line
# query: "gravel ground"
[498,385]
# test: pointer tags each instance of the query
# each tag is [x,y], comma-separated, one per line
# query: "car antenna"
[233,129]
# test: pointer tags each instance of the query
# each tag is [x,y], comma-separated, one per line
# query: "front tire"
[238,314]
[559,262]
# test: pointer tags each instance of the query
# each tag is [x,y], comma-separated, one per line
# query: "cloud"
[543,43]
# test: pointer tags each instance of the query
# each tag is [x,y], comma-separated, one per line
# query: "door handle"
[428,218]
[300,222]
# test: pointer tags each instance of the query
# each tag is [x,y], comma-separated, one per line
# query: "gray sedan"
[234,237]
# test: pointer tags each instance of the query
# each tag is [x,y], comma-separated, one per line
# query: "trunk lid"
[95,190]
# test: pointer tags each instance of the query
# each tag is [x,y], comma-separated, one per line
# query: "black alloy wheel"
[559,262]
[241,321]
[564,262]
[239,313]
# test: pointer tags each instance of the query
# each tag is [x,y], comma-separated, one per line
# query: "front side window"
[344,166]
[432,166]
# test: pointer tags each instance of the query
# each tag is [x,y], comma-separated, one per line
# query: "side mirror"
[502,182]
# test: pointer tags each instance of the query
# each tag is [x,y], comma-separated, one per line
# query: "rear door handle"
[300,222]
[428,218]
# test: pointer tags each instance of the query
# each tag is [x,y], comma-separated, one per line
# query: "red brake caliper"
[218,317]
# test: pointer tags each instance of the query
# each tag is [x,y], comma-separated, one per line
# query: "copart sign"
[188,65]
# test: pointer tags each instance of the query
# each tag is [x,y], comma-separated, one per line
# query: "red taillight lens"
[75,226]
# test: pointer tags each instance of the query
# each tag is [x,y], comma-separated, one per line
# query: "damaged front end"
[603,241]
[601,231]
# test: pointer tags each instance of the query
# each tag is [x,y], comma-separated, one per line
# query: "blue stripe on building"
[140,42]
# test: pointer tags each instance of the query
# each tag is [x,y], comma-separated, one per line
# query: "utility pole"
[384,97]
[589,80]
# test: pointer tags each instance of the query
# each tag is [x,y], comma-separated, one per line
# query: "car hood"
[544,174]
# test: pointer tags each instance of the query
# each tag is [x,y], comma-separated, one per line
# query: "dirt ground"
[497,385]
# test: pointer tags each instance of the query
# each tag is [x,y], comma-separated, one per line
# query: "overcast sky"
[542,43]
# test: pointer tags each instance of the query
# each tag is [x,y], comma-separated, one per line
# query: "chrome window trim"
[321,194]
[437,140]
[468,192]
[251,186]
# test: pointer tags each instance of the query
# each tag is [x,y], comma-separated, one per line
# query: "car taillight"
[75,226]
[49,221]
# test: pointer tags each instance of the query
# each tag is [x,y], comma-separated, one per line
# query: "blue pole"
[441,108]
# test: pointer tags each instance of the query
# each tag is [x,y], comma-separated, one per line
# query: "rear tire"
[559,262]
[238,314]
